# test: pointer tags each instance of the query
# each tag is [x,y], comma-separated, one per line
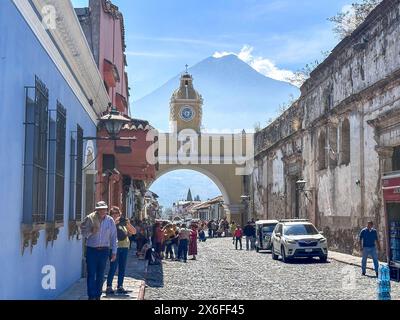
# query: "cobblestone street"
[222,273]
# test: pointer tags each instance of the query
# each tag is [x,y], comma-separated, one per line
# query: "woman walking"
[238,237]
[193,242]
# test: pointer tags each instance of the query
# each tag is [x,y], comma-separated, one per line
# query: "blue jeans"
[183,249]
[169,251]
[96,261]
[122,259]
[176,250]
[370,251]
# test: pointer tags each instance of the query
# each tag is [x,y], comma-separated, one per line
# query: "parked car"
[298,239]
[264,230]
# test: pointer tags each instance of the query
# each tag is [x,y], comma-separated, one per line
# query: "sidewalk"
[351,260]
[134,282]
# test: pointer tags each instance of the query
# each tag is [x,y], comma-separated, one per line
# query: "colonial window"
[72,170]
[36,154]
[333,147]
[108,162]
[322,150]
[60,163]
[396,158]
[78,180]
[345,143]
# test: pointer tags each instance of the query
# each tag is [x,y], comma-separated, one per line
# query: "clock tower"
[186,106]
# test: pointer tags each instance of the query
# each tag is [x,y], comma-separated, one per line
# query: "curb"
[351,263]
[142,290]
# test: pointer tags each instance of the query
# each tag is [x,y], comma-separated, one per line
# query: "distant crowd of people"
[109,236]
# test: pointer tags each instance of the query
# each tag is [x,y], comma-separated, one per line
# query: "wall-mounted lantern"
[114,121]
[301,187]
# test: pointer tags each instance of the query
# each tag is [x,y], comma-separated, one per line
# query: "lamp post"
[113,122]
[301,185]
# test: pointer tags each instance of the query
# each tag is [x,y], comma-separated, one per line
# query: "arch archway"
[165,170]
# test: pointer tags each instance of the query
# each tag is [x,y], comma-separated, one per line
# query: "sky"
[276,37]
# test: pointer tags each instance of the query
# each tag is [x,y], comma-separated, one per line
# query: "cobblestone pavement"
[222,273]
[133,282]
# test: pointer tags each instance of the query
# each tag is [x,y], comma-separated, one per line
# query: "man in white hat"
[100,233]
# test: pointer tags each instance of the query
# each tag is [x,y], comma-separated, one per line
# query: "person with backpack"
[124,231]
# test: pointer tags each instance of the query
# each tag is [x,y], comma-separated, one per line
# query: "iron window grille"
[36,153]
[60,162]
[79,169]
[72,175]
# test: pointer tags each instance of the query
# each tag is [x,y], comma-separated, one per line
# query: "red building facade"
[122,169]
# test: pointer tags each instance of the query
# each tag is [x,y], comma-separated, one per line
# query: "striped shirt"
[106,237]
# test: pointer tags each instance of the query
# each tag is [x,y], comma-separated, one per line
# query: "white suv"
[298,239]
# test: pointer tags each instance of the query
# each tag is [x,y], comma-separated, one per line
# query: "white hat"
[101,205]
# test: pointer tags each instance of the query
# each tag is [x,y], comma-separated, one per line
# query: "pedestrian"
[169,235]
[226,227]
[124,231]
[193,242]
[209,226]
[184,236]
[214,227]
[202,235]
[250,233]
[100,234]
[158,239]
[369,245]
[140,240]
[175,245]
[238,237]
[232,231]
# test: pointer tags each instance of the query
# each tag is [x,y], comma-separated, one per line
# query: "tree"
[301,76]
[346,22]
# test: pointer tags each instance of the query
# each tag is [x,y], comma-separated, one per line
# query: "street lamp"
[301,184]
[114,121]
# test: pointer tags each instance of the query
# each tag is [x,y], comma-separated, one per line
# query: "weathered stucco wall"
[357,86]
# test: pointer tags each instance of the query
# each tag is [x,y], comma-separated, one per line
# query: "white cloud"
[263,65]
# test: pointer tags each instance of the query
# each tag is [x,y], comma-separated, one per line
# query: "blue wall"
[21,58]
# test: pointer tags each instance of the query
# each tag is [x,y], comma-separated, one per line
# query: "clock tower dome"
[186,105]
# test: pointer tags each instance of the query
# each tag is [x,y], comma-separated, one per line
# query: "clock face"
[187,113]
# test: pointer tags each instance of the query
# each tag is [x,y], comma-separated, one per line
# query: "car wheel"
[274,256]
[323,259]
[283,254]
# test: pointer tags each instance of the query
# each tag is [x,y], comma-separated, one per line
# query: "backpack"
[152,257]
[122,234]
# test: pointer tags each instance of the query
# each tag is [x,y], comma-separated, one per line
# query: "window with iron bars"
[78,180]
[60,162]
[36,153]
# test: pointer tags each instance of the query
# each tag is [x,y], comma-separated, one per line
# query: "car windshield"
[268,228]
[300,230]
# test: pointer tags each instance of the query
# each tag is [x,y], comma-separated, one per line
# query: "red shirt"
[238,233]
